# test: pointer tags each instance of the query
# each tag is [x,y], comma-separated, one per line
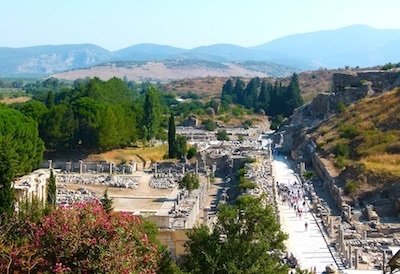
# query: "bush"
[83,238]
[350,187]
[393,148]
[192,151]
[348,131]
[341,150]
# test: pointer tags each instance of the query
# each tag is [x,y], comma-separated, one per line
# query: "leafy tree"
[222,135]
[52,190]
[189,182]
[181,146]
[209,124]
[21,151]
[152,113]
[276,121]
[246,239]
[50,99]
[192,151]
[106,201]
[171,137]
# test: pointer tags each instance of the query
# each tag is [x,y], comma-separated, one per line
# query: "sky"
[118,24]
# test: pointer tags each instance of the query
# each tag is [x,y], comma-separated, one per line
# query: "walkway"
[306,244]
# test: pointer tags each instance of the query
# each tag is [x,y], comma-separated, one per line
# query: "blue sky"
[187,24]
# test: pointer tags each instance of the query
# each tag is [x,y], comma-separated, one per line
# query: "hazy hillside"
[45,60]
[353,46]
[357,45]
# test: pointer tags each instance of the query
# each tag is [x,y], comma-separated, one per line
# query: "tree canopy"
[275,99]
[245,239]
[21,151]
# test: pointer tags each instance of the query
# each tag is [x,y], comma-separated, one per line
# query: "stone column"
[183,169]
[111,168]
[350,258]
[331,225]
[50,164]
[197,167]
[80,166]
[356,258]
[348,213]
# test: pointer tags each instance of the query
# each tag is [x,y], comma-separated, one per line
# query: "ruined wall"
[329,179]
[380,80]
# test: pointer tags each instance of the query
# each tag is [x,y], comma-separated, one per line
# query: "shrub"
[348,131]
[341,150]
[192,151]
[350,187]
[393,148]
[83,238]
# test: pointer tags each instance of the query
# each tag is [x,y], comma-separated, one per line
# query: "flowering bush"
[82,238]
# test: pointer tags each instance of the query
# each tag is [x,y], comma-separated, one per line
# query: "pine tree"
[292,95]
[227,92]
[251,93]
[264,97]
[52,190]
[171,137]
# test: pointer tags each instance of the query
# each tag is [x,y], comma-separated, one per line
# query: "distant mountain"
[357,45]
[146,52]
[45,60]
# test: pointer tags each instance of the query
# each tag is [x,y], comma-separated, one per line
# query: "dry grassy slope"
[370,129]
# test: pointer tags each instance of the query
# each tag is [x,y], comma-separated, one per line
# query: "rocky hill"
[353,136]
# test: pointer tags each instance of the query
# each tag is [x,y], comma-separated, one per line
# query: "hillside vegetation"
[364,142]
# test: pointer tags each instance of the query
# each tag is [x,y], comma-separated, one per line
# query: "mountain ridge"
[356,45]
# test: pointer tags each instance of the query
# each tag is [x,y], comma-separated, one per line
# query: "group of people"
[294,195]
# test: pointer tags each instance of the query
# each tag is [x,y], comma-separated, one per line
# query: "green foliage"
[276,121]
[222,135]
[83,238]
[241,242]
[21,151]
[350,187]
[238,111]
[308,174]
[52,190]
[274,99]
[181,146]
[341,107]
[189,182]
[209,124]
[106,201]
[192,152]
[246,183]
[171,137]
[348,131]
[247,124]
[152,113]
[341,149]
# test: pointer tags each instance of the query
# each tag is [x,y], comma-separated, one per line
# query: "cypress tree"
[52,190]
[171,137]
